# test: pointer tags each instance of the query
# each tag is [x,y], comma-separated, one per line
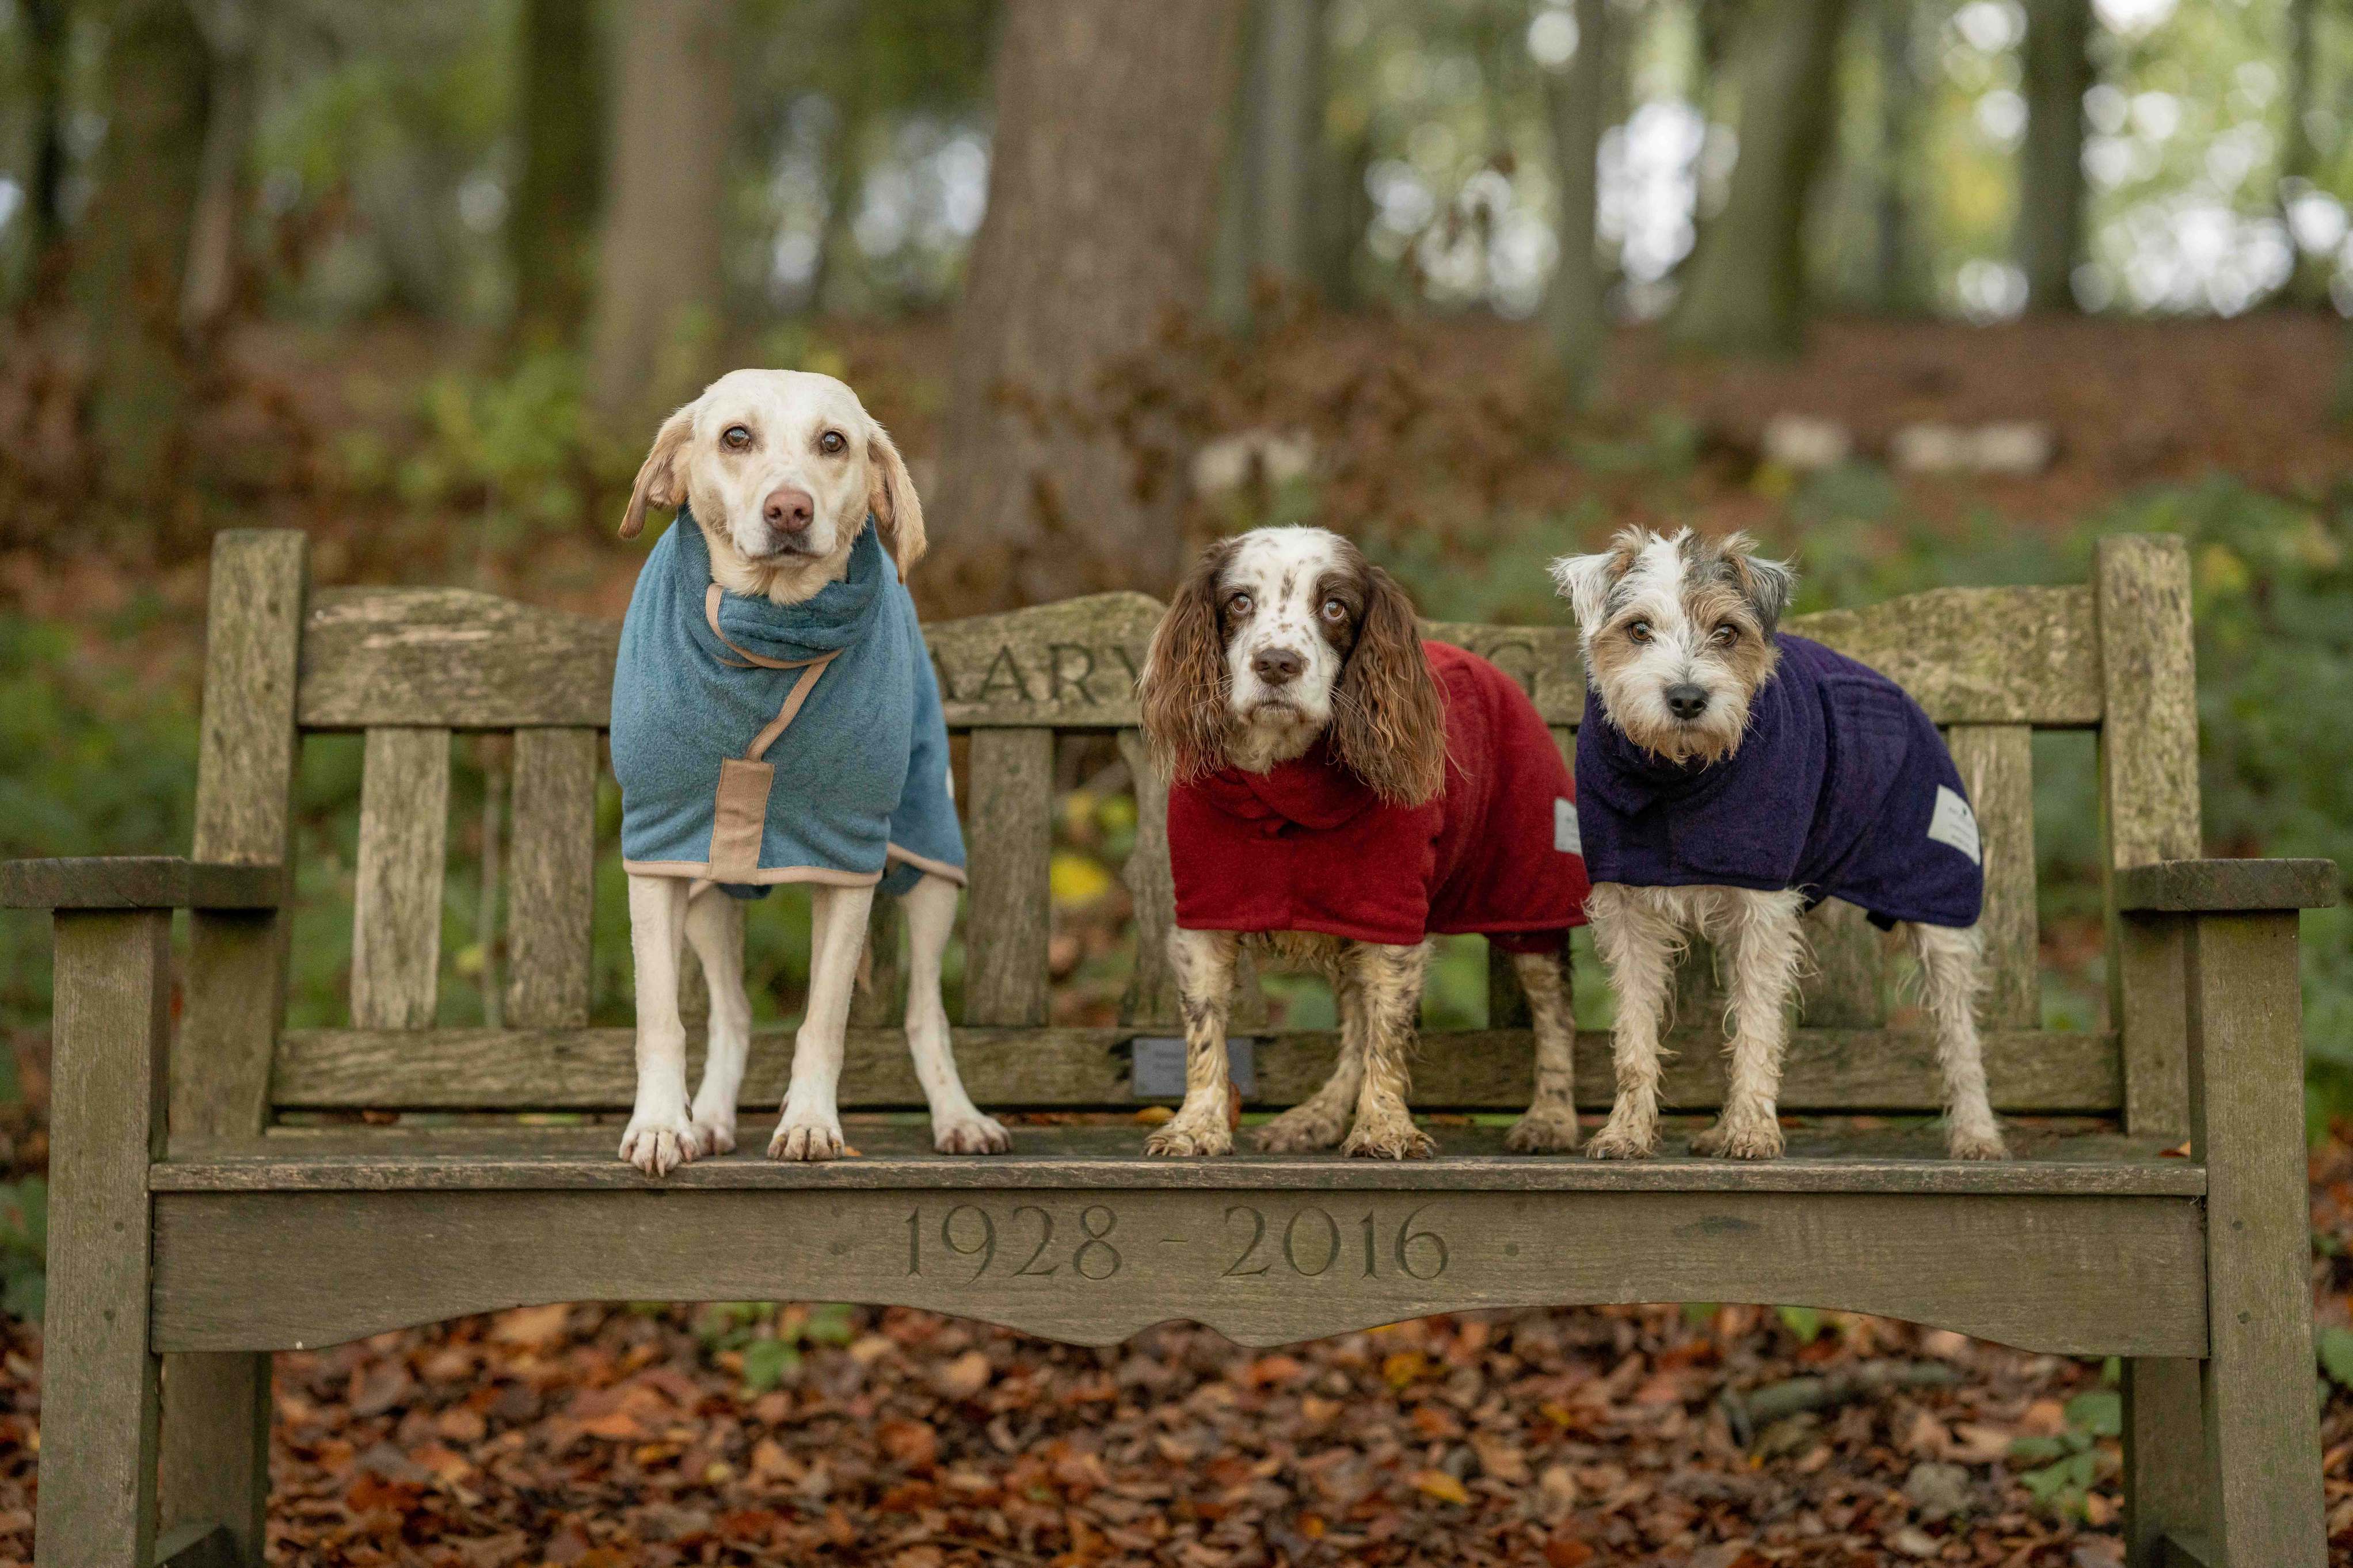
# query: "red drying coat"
[1309,847]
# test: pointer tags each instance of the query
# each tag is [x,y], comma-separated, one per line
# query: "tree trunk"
[1059,474]
[133,248]
[550,227]
[2058,70]
[1234,242]
[1574,108]
[1747,293]
[208,287]
[46,25]
[1292,47]
[2299,159]
[661,280]
[1895,283]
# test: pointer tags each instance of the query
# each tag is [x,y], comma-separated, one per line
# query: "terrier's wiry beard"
[1662,617]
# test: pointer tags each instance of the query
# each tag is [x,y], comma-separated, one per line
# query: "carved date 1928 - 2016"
[1308,1243]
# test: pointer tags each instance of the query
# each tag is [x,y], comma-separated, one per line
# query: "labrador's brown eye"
[1638,631]
[737,438]
[830,443]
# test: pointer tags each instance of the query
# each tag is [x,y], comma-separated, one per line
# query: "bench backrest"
[409,668]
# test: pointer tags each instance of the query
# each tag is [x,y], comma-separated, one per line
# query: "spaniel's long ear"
[1387,723]
[661,478]
[891,499]
[1184,684]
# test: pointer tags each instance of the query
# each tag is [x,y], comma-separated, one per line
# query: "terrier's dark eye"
[832,442]
[1638,631]
[737,438]
[1238,604]
[1335,611]
[1726,635]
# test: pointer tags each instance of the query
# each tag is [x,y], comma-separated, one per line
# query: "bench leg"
[2165,1456]
[2246,1074]
[100,1387]
[214,1467]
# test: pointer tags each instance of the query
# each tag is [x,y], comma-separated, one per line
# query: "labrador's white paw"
[803,1136]
[971,1135]
[659,1142]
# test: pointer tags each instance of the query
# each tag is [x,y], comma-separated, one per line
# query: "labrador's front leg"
[714,929]
[812,1126]
[660,1135]
[1204,961]
[957,1125]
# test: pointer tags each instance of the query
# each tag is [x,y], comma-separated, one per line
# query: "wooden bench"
[202,1217]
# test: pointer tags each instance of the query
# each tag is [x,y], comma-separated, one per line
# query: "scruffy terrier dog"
[1340,790]
[1732,777]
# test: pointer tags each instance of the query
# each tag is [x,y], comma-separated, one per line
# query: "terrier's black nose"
[1276,666]
[1686,700]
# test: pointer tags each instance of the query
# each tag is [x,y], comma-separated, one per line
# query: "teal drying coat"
[758,744]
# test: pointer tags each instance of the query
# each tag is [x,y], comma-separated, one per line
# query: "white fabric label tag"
[1954,824]
[1565,836]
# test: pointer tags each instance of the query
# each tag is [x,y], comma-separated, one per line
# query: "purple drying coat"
[1841,788]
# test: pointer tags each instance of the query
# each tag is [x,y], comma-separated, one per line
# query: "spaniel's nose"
[1276,666]
[1686,700]
[788,510]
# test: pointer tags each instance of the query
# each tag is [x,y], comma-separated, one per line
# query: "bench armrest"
[2228,887]
[138,882]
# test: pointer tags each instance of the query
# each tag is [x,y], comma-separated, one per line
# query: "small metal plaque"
[1159,1069]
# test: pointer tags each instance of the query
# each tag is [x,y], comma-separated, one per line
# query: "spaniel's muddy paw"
[1985,1144]
[1391,1137]
[1552,1129]
[1618,1140]
[973,1134]
[1192,1135]
[1301,1130]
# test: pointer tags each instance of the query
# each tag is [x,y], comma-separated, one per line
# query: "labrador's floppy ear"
[891,499]
[661,478]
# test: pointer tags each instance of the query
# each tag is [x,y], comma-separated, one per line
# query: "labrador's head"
[782,468]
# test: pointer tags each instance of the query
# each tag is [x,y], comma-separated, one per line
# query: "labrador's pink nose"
[789,510]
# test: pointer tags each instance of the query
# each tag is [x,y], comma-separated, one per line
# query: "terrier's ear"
[1767,584]
[1585,582]
[1185,683]
[890,497]
[661,478]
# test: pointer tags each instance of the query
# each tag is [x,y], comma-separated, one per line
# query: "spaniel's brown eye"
[1238,604]
[737,438]
[830,443]
[1335,611]
[1638,631]
[1726,635]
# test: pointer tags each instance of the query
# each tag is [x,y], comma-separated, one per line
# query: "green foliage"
[24,1247]
[2337,1355]
[770,1339]
[1805,1322]
[2068,1465]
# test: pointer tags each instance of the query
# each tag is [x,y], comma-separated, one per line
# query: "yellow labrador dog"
[734,719]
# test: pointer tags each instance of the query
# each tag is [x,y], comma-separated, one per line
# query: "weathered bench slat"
[551,886]
[1847,987]
[1009,839]
[1997,764]
[468,661]
[397,913]
[2040,1071]
[2071,1274]
[1151,998]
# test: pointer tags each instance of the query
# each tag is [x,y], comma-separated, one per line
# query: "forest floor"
[615,1435]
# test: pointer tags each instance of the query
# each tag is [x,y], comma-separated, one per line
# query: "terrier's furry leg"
[1322,1118]
[1768,946]
[957,1125]
[1550,1125]
[1204,961]
[714,927]
[1389,980]
[1951,971]
[1639,936]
